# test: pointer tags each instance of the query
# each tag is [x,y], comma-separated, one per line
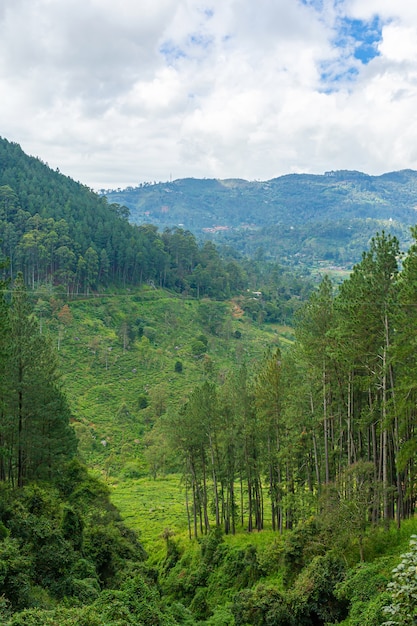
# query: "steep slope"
[59,232]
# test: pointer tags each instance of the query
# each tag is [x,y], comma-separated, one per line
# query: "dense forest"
[336,409]
[297,468]
[57,231]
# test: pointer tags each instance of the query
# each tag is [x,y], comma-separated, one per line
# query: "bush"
[203,339]
[72,526]
[198,348]
[86,590]
[363,589]
[15,574]
[142,401]
[262,606]
[150,333]
[222,616]
[313,595]
[300,545]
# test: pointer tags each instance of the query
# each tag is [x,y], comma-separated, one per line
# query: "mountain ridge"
[246,214]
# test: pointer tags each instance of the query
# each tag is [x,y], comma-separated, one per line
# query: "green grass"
[151,506]
[104,380]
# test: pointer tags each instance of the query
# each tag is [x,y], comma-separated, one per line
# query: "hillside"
[297,218]
[128,358]
[60,233]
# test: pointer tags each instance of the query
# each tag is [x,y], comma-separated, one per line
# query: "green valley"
[194,435]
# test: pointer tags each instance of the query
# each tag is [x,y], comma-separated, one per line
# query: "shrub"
[313,595]
[262,606]
[198,348]
[142,401]
[15,574]
[203,339]
[150,333]
[363,588]
[300,545]
[72,526]
[222,616]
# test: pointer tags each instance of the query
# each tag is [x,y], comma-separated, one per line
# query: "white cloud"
[116,93]
[399,44]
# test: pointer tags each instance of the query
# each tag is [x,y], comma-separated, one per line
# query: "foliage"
[314,439]
[98,567]
[262,606]
[403,589]
[59,232]
[313,595]
[364,589]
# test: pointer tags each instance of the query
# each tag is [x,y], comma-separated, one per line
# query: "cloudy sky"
[114,93]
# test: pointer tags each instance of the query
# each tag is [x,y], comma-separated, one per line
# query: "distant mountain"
[297,218]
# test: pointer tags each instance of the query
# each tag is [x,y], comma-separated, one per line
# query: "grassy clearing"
[151,506]
[119,383]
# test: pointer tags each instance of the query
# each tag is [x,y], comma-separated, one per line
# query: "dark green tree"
[35,431]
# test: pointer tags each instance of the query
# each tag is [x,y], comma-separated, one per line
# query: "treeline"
[328,426]
[54,229]
[63,252]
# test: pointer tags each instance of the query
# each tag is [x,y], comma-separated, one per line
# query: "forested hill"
[297,218]
[56,230]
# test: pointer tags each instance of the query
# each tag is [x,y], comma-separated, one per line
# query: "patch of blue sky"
[356,43]
[316,4]
[208,13]
[194,45]
[199,40]
[360,37]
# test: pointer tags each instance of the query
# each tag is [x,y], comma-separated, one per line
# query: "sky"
[116,93]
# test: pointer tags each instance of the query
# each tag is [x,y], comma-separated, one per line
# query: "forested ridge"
[57,231]
[301,220]
[297,468]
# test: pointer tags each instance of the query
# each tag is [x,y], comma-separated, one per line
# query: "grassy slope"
[104,384]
